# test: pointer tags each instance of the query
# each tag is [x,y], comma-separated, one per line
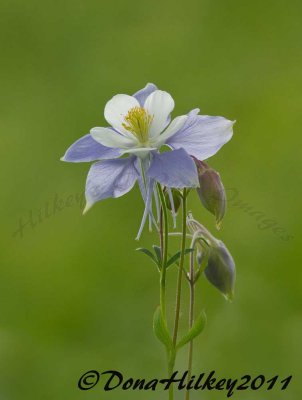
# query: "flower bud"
[211,191]
[220,270]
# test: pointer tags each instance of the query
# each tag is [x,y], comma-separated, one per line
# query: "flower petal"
[110,178]
[159,104]
[174,169]
[142,94]
[87,149]
[172,129]
[202,135]
[110,138]
[117,108]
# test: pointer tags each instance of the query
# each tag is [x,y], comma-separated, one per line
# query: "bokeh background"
[74,294]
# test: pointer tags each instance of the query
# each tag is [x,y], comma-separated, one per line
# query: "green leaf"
[176,257]
[157,252]
[161,330]
[196,329]
[148,253]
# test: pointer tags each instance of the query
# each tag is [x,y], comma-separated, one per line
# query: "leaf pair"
[162,333]
[156,256]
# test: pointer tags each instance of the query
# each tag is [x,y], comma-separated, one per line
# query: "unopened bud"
[220,270]
[211,191]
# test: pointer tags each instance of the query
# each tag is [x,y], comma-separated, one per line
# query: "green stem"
[164,237]
[171,362]
[162,244]
[191,320]
[181,265]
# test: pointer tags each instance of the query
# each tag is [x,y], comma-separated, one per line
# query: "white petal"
[159,104]
[108,137]
[117,108]
[173,128]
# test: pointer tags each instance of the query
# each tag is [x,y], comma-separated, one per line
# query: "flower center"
[138,121]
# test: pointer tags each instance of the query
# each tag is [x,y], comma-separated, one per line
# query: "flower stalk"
[192,281]
[164,242]
[181,266]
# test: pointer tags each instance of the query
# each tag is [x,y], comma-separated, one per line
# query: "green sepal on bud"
[211,191]
[220,270]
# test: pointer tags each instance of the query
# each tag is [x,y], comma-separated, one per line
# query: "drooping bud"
[211,191]
[220,267]
[220,270]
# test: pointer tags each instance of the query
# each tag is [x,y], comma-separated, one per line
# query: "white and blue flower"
[139,127]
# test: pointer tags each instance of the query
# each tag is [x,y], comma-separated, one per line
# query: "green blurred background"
[74,294]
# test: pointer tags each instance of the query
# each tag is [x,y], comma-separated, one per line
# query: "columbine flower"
[139,127]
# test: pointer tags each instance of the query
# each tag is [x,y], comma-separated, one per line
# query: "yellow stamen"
[138,121]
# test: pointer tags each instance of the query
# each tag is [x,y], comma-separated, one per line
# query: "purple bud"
[220,270]
[211,191]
